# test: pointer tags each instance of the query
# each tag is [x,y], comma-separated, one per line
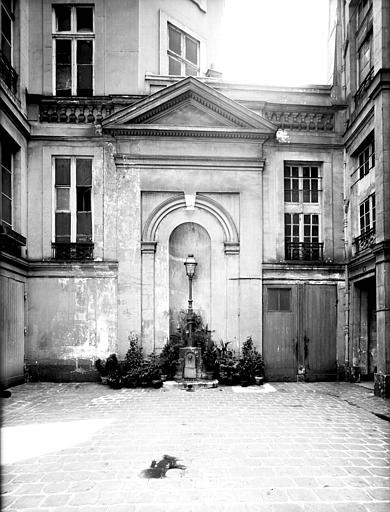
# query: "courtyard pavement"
[285,447]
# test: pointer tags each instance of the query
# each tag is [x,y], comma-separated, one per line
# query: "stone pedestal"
[190,364]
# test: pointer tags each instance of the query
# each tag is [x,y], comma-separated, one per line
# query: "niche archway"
[189,238]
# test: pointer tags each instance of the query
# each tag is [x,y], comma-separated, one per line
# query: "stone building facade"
[364,57]
[126,150]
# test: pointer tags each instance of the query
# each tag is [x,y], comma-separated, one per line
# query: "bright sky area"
[275,42]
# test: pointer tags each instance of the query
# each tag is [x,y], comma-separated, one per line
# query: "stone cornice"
[182,131]
[107,268]
[189,162]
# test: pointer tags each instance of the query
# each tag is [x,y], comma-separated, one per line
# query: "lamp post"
[190,264]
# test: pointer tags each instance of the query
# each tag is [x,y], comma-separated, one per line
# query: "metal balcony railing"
[364,86]
[365,241]
[8,74]
[305,251]
[72,251]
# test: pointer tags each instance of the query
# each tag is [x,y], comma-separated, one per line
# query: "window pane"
[84,172]
[6,48]
[83,199]
[284,299]
[6,183]
[62,226]
[5,24]
[6,210]
[63,81]
[8,4]
[191,50]
[314,172]
[62,171]
[6,156]
[314,219]
[62,198]
[174,37]
[84,52]
[273,302]
[63,18]
[306,172]
[84,17]
[191,70]
[174,67]
[63,51]
[63,67]
[84,227]
[294,172]
[84,80]
[296,218]
[314,196]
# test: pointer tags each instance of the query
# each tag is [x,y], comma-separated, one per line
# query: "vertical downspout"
[346,276]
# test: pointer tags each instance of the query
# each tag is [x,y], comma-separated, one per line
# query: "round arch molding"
[230,232]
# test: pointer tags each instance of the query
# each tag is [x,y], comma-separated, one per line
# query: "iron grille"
[304,251]
[72,251]
[365,241]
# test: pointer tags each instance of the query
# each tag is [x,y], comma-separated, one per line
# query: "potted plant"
[132,364]
[226,364]
[109,370]
[209,358]
[251,364]
[170,354]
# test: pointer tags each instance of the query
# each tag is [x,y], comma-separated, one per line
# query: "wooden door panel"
[280,340]
[318,334]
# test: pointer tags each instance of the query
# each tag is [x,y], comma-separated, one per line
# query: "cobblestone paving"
[304,447]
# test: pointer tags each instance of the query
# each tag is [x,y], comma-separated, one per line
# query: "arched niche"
[189,238]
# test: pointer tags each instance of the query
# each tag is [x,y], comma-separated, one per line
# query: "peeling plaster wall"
[71,319]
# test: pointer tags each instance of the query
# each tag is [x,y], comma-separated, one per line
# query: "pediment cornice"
[215,115]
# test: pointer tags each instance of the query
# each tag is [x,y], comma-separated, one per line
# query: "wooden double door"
[299,331]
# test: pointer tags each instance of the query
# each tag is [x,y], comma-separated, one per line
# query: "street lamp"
[190,264]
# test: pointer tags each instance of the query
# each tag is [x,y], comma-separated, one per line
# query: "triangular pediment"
[189,106]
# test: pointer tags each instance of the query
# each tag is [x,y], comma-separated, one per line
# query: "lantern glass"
[190,264]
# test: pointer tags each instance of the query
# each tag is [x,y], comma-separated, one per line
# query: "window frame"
[368,40]
[72,197]
[367,145]
[11,15]
[74,36]
[163,53]
[301,224]
[365,227]
[300,179]
[181,59]
[11,173]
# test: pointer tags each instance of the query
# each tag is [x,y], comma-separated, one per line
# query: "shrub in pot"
[251,363]
[210,359]
[110,369]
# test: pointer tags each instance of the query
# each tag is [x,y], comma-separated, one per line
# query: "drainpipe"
[346,276]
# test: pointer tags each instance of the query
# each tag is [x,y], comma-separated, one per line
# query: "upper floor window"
[73,43]
[7,18]
[72,232]
[301,184]
[366,158]
[183,53]
[367,214]
[361,12]
[6,183]
[364,59]
[302,188]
